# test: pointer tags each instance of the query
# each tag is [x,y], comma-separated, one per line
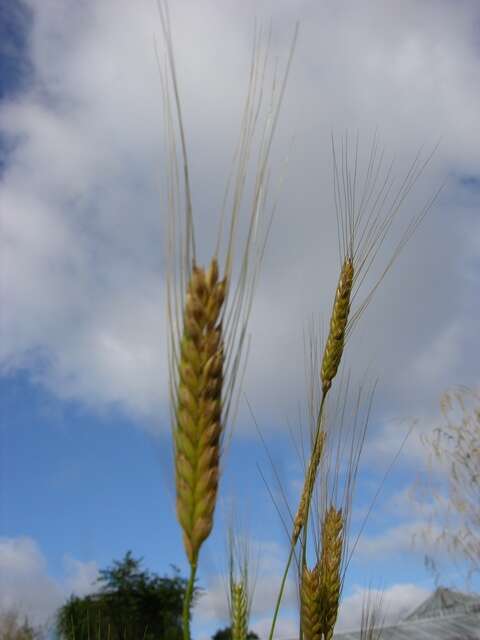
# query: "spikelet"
[332,354]
[329,567]
[310,605]
[308,486]
[199,404]
[239,611]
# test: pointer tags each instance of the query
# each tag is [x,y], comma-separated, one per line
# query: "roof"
[444,602]
[445,615]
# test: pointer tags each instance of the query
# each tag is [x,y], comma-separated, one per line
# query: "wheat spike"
[329,570]
[332,354]
[239,611]
[310,606]
[308,486]
[199,405]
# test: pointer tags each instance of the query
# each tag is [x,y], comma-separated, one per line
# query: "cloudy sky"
[85,448]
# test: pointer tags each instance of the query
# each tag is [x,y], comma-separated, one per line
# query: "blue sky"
[85,441]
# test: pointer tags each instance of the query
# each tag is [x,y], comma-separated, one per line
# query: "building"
[445,615]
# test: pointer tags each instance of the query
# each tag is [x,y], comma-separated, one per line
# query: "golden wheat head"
[198,425]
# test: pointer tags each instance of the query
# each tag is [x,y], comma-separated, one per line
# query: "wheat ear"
[239,603]
[329,568]
[199,405]
[332,354]
[310,606]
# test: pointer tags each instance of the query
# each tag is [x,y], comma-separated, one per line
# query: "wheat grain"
[198,425]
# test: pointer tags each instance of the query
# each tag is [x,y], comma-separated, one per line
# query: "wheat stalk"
[360,237]
[207,325]
[309,485]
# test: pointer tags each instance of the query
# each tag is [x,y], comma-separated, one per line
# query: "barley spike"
[310,609]
[338,325]
[329,568]
[239,612]
[199,406]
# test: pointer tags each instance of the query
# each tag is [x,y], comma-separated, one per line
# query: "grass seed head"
[310,605]
[199,406]
[329,569]
[338,325]
[239,604]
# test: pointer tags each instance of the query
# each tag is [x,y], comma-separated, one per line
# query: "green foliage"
[132,604]
[226,634]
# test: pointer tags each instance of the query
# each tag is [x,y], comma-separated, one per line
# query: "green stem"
[315,445]
[292,546]
[282,587]
[187,601]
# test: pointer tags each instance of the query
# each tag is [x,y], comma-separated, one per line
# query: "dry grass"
[12,628]
[451,500]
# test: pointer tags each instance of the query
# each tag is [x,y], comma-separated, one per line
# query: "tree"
[226,634]
[131,604]
[454,450]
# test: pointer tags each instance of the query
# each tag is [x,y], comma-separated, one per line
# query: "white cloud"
[442,354]
[396,602]
[395,540]
[81,576]
[82,240]
[27,587]
[285,627]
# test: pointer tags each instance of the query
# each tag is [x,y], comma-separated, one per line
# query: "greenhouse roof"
[445,615]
